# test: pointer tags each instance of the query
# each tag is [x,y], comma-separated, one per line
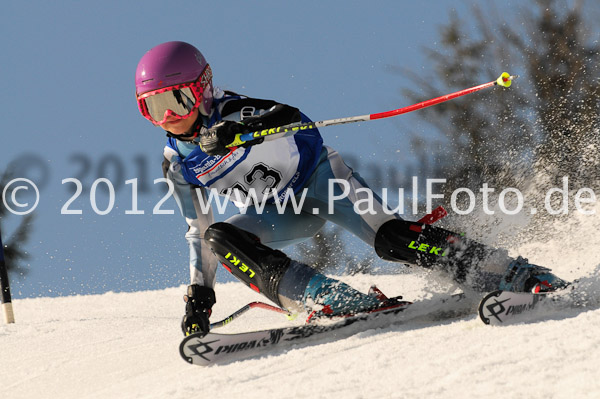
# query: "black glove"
[214,141]
[198,304]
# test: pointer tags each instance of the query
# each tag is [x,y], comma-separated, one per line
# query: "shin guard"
[432,247]
[241,253]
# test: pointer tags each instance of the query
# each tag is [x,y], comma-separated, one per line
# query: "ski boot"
[521,276]
[326,297]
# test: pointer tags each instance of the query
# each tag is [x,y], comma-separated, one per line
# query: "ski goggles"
[178,101]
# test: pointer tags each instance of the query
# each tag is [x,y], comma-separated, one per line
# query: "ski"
[218,348]
[506,307]
[500,307]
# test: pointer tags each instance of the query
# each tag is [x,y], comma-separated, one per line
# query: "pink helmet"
[175,63]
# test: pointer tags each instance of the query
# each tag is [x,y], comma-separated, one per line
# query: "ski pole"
[244,309]
[504,80]
[5,297]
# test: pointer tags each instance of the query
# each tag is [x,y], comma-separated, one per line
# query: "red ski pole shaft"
[441,99]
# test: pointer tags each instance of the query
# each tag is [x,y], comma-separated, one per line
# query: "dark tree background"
[529,136]
[14,246]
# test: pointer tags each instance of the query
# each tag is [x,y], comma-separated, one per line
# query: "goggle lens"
[181,102]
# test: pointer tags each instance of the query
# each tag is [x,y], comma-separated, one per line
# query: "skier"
[174,90]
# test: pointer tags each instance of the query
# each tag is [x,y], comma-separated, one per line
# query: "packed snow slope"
[125,345]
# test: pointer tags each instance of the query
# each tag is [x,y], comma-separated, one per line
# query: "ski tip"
[484,308]
[193,348]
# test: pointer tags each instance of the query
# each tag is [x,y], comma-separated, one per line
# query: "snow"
[125,345]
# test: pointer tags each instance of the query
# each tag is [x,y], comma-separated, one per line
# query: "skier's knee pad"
[253,263]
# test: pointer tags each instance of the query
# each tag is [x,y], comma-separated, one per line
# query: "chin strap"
[192,134]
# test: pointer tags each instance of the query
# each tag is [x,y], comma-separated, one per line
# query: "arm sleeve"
[278,115]
[203,263]
[258,114]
